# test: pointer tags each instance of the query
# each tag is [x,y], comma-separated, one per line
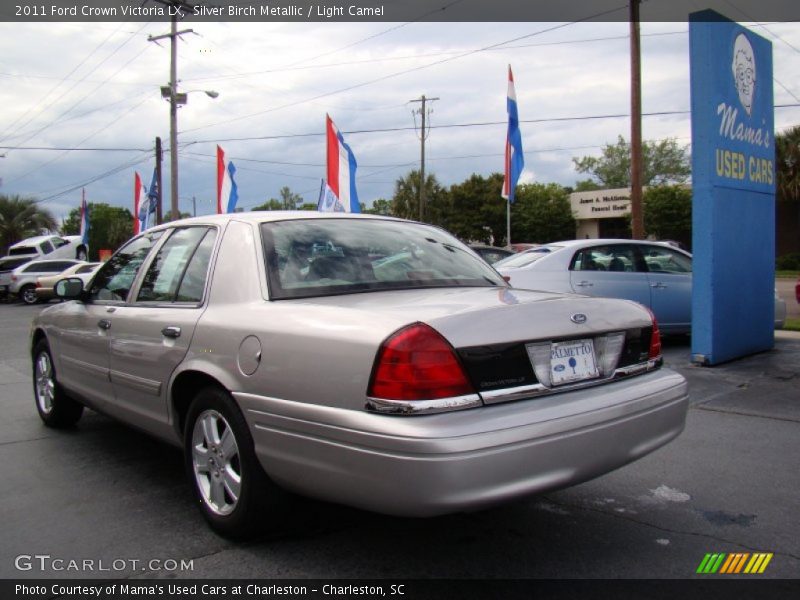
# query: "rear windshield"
[309,258]
[22,250]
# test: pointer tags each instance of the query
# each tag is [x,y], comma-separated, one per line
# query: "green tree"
[109,227]
[663,162]
[668,213]
[381,206]
[541,213]
[22,218]
[271,204]
[289,199]
[477,211]
[405,202]
[787,163]
[308,206]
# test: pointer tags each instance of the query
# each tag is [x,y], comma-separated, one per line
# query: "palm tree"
[787,149]
[21,218]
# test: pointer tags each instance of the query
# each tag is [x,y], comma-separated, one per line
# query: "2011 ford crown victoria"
[364,360]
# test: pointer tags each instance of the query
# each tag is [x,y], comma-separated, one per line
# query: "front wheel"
[235,495]
[55,408]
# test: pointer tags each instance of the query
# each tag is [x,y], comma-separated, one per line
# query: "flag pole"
[508,222]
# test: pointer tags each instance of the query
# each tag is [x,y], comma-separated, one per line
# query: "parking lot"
[104,492]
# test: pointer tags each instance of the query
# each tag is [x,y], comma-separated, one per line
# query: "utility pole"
[422,111]
[170,92]
[159,186]
[637,213]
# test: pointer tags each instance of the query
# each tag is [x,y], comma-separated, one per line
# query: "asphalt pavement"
[111,495]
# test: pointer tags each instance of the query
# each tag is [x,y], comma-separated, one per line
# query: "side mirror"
[69,289]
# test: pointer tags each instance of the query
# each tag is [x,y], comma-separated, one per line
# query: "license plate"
[572,361]
[3,288]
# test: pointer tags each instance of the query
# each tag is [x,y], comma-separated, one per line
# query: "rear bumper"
[435,464]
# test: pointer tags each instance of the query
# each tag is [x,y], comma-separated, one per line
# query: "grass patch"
[792,324]
[787,274]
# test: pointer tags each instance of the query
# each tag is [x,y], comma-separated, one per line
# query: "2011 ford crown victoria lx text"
[364,360]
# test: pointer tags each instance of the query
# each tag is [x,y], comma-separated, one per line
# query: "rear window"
[309,258]
[523,259]
[22,250]
[9,264]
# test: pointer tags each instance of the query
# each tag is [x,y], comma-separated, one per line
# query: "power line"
[406,71]
[241,75]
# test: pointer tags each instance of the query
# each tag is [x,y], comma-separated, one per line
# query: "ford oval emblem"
[578,318]
[559,368]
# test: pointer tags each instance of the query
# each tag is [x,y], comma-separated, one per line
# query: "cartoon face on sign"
[744,71]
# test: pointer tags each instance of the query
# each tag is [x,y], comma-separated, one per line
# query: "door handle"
[171,332]
[104,324]
[584,284]
[658,286]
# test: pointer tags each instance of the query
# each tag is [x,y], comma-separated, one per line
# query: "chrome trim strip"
[86,367]
[140,384]
[422,407]
[532,391]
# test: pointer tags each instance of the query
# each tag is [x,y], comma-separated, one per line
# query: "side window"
[58,242]
[115,278]
[168,270]
[194,280]
[618,258]
[46,247]
[666,260]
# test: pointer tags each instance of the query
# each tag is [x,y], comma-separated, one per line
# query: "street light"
[175,98]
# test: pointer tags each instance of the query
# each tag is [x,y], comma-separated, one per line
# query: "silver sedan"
[363,360]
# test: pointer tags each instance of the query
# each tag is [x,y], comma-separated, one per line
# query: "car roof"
[263,216]
[36,239]
[71,262]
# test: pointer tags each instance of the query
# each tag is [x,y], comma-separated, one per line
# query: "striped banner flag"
[139,200]
[515,161]
[227,190]
[341,171]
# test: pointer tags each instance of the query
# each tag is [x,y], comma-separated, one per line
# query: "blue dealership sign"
[733,183]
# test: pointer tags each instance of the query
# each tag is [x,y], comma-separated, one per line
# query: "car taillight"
[655,340]
[417,363]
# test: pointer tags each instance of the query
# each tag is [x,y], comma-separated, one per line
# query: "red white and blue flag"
[515,161]
[139,201]
[84,219]
[341,170]
[227,190]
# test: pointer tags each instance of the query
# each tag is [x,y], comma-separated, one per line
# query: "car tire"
[27,294]
[55,408]
[235,495]
[81,254]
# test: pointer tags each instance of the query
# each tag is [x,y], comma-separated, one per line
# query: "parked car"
[491,254]
[22,280]
[797,290]
[658,275]
[417,386]
[7,265]
[46,283]
[51,246]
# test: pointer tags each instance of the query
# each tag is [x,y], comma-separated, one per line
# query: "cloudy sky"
[96,86]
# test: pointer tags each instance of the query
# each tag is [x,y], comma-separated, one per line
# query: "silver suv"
[21,282]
